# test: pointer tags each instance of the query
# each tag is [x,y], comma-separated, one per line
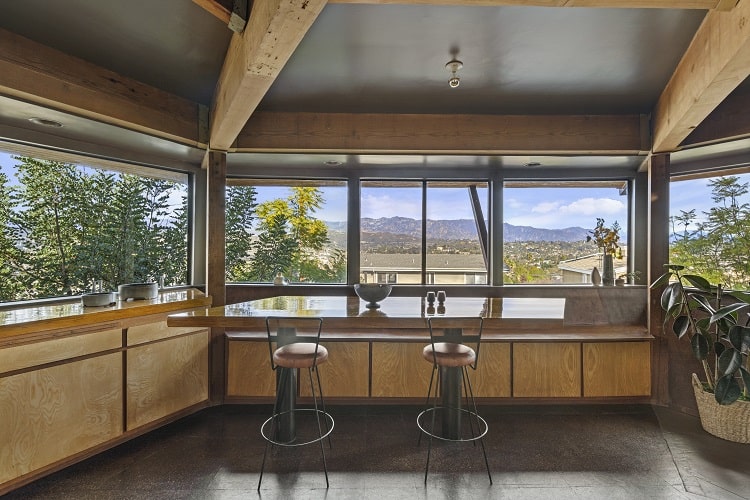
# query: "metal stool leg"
[323,404]
[279,384]
[320,429]
[432,429]
[481,440]
[427,399]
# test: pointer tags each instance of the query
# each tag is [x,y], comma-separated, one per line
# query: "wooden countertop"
[72,314]
[398,317]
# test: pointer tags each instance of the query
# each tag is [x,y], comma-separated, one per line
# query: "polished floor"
[535,452]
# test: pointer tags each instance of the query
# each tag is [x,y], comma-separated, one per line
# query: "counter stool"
[297,346]
[453,349]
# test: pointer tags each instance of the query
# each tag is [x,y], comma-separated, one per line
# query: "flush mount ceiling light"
[44,122]
[453,66]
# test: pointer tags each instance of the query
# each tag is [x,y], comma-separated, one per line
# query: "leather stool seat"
[449,354]
[300,355]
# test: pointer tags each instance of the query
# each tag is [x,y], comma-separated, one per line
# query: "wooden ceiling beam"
[715,63]
[446,134]
[622,4]
[254,60]
[729,121]
[221,9]
[41,75]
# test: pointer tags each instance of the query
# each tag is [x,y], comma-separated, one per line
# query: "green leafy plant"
[719,334]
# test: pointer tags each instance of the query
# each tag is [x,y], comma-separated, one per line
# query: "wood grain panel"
[617,369]
[166,377]
[50,414]
[346,373]
[547,369]
[37,353]
[398,370]
[492,378]
[249,370]
[139,334]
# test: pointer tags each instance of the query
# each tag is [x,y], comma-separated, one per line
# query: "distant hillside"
[461,229]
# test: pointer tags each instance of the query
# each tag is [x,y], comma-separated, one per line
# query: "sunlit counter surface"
[405,317]
[68,314]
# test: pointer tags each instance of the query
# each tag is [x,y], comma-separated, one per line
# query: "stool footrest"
[481,431]
[265,428]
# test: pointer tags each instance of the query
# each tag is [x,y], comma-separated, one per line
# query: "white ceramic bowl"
[372,293]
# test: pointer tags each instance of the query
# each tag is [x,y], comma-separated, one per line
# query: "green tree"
[240,216]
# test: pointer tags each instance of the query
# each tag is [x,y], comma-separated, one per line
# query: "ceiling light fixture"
[44,122]
[332,163]
[453,66]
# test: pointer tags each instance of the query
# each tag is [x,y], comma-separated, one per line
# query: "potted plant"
[608,239]
[719,336]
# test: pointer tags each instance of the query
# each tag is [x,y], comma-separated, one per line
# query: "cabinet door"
[249,369]
[547,370]
[492,378]
[166,377]
[345,374]
[617,369]
[399,370]
[50,414]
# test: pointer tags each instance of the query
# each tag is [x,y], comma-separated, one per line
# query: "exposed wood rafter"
[729,121]
[715,63]
[233,13]
[35,73]
[623,4]
[450,134]
[254,60]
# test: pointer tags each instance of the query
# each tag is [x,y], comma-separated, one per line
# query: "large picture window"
[546,225]
[710,228]
[294,229]
[395,245]
[65,226]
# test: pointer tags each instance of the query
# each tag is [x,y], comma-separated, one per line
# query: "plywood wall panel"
[345,374]
[617,369]
[50,414]
[547,369]
[165,377]
[492,377]
[249,370]
[399,370]
[139,334]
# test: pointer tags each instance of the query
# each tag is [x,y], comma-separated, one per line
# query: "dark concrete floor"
[535,452]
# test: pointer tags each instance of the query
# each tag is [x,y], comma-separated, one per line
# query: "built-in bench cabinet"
[67,393]
[518,368]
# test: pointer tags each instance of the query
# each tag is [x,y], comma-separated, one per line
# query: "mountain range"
[461,229]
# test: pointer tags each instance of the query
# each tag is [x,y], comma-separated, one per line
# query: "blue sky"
[536,207]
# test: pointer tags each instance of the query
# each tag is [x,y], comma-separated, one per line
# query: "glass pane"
[710,223]
[454,249]
[545,230]
[288,231]
[65,226]
[391,232]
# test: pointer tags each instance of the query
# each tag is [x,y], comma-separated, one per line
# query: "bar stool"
[451,358]
[297,346]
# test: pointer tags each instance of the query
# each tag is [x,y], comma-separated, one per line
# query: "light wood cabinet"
[492,377]
[616,369]
[165,377]
[53,413]
[547,370]
[345,374]
[399,370]
[249,369]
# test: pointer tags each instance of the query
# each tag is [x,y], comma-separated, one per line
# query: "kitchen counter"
[72,314]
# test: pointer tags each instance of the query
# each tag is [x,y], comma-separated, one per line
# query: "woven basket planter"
[730,422]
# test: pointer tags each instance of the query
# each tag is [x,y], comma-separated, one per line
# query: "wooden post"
[658,255]
[215,267]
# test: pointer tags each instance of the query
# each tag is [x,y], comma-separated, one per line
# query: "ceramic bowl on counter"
[372,293]
[98,299]
[138,291]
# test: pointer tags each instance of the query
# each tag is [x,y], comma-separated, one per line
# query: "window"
[449,250]
[710,227]
[66,225]
[545,228]
[293,227]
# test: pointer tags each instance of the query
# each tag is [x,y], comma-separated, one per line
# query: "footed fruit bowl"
[372,293]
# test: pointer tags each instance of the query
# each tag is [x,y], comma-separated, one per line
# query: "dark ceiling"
[375,58]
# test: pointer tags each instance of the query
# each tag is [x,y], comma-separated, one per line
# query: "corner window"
[64,226]
[546,225]
[710,228]
[295,228]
